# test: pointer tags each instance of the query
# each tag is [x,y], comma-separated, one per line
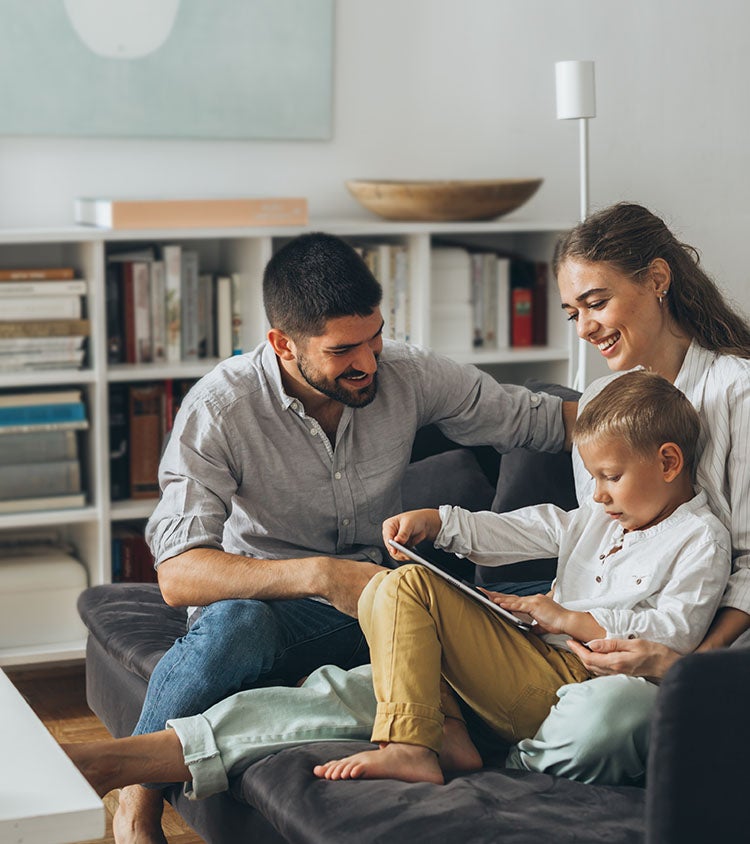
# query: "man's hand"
[637,657]
[410,528]
[341,581]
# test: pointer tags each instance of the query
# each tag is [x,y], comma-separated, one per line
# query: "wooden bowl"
[480,199]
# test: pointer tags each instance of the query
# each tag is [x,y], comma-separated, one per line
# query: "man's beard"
[332,388]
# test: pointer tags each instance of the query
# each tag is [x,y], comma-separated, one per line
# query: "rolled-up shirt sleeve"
[197,484]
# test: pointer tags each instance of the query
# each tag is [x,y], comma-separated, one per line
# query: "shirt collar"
[691,378]
[272,369]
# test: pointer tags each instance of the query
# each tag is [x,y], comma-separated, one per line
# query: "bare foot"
[138,816]
[405,762]
[459,752]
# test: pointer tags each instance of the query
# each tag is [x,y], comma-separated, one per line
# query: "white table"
[43,797]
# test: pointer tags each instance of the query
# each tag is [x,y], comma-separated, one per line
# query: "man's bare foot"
[138,816]
[458,752]
[405,762]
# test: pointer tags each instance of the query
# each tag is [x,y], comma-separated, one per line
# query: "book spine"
[489,327]
[76,287]
[42,414]
[236,314]
[46,328]
[119,472]
[145,405]
[159,312]
[477,300]
[37,308]
[40,273]
[38,448]
[401,297]
[46,502]
[190,297]
[223,298]
[503,302]
[32,480]
[142,311]
[539,304]
[206,313]
[173,277]
[128,312]
[521,317]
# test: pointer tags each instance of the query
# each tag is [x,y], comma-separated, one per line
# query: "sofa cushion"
[530,477]
[132,623]
[453,477]
[487,806]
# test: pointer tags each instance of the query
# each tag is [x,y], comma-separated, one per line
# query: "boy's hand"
[410,528]
[548,615]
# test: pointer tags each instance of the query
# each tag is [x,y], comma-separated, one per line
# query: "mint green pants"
[597,732]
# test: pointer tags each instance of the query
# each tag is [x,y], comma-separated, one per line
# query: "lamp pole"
[576,100]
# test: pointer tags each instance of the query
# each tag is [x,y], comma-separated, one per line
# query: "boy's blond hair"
[644,411]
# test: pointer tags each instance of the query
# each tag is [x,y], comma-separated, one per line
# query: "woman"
[640,296]
[642,299]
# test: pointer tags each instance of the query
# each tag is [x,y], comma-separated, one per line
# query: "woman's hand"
[637,657]
[410,528]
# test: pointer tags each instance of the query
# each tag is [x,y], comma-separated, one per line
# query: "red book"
[521,317]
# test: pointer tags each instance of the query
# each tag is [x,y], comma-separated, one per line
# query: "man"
[282,465]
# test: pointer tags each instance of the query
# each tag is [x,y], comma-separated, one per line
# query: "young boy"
[645,558]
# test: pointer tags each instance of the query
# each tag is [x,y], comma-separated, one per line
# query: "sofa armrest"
[698,771]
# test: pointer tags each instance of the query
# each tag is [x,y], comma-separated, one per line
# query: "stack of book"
[162,308]
[486,300]
[40,467]
[42,324]
[140,417]
[389,263]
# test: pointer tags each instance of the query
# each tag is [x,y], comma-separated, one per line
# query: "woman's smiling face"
[621,317]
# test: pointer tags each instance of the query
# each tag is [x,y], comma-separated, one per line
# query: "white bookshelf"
[226,251]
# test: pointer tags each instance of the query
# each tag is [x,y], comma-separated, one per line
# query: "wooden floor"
[58,696]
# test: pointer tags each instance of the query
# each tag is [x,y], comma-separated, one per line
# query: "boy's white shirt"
[665,584]
[718,387]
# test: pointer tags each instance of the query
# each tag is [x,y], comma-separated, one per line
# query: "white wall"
[465,88]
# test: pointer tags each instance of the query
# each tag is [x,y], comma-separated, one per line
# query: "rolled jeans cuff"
[409,723]
[202,756]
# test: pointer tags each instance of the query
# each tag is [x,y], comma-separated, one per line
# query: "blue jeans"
[239,644]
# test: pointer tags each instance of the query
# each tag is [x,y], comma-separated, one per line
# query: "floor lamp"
[576,100]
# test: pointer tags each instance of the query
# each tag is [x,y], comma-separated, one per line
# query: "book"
[31,480]
[223,299]
[46,328]
[540,299]
[142,351]
[45,502]
[41,307]
[158,312]
[401,299]
[40,414]
[172,257]
[132,561]
[190,293]
[503,301]
[38,447]
[190,213]
[521,326]
[119,469]
[77,287]
[146,427]
[206,316]
[236,314]
[44,345]
[378,259]
[37,397]
[41,273]
[40,359]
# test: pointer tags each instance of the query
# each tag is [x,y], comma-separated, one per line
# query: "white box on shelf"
[38,594]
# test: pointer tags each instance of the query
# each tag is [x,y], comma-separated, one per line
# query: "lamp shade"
[575,90]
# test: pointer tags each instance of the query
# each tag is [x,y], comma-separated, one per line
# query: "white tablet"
[467,588]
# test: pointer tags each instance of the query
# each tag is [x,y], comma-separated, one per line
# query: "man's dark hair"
[314,278]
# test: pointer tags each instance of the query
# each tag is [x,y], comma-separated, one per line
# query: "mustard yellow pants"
[427,638]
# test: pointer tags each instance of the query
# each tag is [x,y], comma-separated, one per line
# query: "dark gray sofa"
[697,777]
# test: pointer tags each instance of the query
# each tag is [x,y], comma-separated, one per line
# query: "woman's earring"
[660,295]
